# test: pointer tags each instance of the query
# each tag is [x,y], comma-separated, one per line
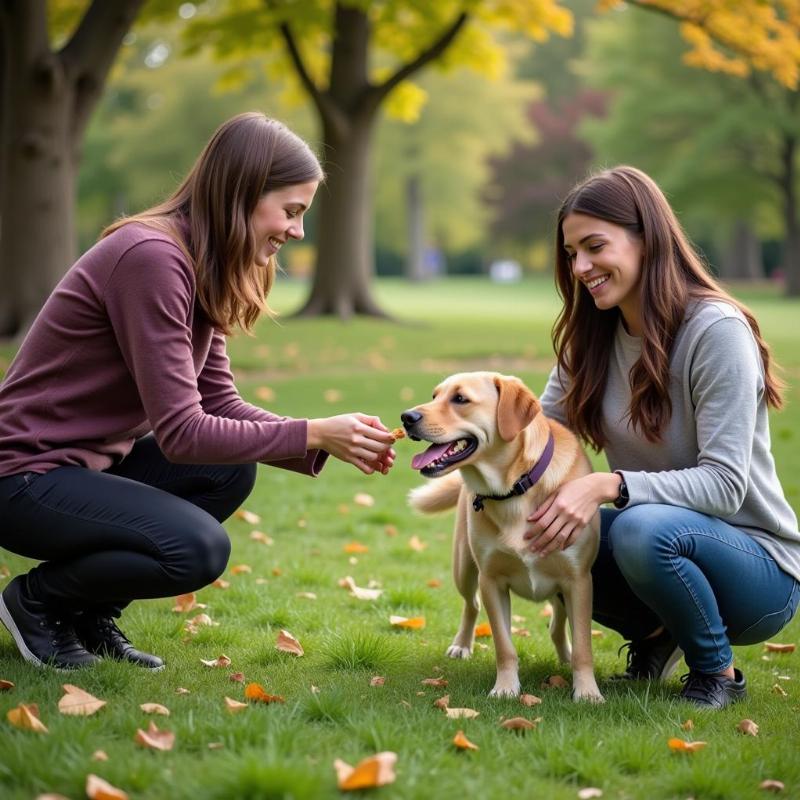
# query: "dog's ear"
[516,407]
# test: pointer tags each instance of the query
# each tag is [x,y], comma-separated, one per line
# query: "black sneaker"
[43,637]
[100,635]
[713,691]
[652,659]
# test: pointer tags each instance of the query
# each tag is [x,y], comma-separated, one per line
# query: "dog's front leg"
[558,630]
[578,599]
[465,575]
[497,601]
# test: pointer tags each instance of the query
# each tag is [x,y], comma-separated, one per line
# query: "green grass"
[287,751]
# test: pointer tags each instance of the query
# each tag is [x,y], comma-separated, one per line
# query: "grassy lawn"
[322,367]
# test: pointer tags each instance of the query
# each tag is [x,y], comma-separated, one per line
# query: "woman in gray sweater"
[666,373]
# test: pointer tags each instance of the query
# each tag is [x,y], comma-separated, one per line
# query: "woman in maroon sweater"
[123,440]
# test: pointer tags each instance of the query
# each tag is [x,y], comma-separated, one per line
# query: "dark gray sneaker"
[43,636]
[100,635]
[652,659]
[713,691]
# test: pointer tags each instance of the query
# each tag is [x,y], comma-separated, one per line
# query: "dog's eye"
[460,399]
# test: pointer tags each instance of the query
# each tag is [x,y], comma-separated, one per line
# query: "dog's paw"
[505,690]
[456,651]
[588,696]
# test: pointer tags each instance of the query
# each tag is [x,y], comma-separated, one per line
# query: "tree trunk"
[415,261]
[743,261]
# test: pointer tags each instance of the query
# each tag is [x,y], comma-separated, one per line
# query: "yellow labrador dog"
[489,428]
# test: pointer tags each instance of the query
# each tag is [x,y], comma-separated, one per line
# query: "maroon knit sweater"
[122,348]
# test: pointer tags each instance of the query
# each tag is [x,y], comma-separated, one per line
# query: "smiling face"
[278,217]
[607,260]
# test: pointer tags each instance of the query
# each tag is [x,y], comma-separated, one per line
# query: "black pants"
[144,528]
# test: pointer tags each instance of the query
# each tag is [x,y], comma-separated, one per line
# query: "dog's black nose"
[410,417]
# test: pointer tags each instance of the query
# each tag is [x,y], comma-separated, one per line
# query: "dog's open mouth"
[439,456]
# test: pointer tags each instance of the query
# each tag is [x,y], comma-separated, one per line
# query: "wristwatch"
[623,496]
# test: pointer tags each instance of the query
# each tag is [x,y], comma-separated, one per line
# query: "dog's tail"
[437,495]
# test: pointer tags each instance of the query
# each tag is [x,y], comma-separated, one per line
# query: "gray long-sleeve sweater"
[715,455]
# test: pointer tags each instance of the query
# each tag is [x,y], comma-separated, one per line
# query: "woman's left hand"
[561,518]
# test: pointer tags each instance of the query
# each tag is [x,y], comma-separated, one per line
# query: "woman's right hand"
[357,439]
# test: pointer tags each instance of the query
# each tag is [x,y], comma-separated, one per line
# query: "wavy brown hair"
[209,213]
[672,275]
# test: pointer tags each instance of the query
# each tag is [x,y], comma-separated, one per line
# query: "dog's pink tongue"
[421,460]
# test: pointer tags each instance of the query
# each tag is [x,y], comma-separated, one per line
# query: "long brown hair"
[209,213]
[672,275]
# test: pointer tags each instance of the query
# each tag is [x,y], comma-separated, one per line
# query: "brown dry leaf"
[154,739]
[748,727]
[681,746]
[187,602]
[99,755]
[461,713]
[343,508]
[483,630]
[248,516]
[415,543]
[219,661]
[688,725]
[265,393]
[529,700]
[98,789]
[377,680]
[391,530]
[771,785]
[520,631]
[220,583]
[78,703]
[443,702]
[462,743]
[413,623]
[778,689]
[442,682]
[306,595]
[6,686]
[5,572]
[774,647]
[547,611]
[434,583]
[277,572]
[26,717]
[377,770]
[589,792]
[236,677]
[520,723]
[554,682]
[181,690]
[241,569]
[286,643]
[155,708]
[355,547]
[364,499]
[255,691]
[260,536]
[359,592]
[234,706]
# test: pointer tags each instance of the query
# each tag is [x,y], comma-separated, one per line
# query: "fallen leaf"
[364,499]
[155,708]
[688,725]
[377,680]
[78,703]
[748,727]
[415,543]
[377,770]
[771,785]
[359,592]
[547,611]
[260,536]
[343,508]
[234,706]
[483,630]
[774,647]
[306,595]
[461,713]
[216,745]
[434,583]
[589,792]
[5,572]
[186,602]
[681,746]
[332,395]
[520,631]
[554,682]
[265,393]
[255,691]
[597,635]
[221,583]
[462,743]
[413,623]
[181,690]
[248,516]
[276,571]
[443,702]
[99,755]
[519,723]
[530,700]
[286,643]
[26,717]
[154,739]
[6,686]
[236,677]
[241,569]
[517,618]
[219,661]
[434,682]
[355,547]
[390,530]
[98,789]
[778,689]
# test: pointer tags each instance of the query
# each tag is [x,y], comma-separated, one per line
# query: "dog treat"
[399,433]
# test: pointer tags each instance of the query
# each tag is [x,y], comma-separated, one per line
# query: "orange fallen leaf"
[547,611]
[241,569]
[248,516]
[234,706]
[377,680]
[462,743]
[461,713]
[186,602]
[99,755]
[265,393]
[98,789]
[359,592]
[416,544]
[355,547]
[774,647]
[221,583]
[219,661]
[434,681]
[681,746]
[26,717]
[443,702]
[5,685]
[154,738]
[77,702]
[390,530]
[377,770]
[255,691]
[260,536]
[155,708]
[434,583]
[554,682]
[520,723]
[748,727]
[412,623]
[236,677]
[286,643]
[529,700]
[771,785]
[364,499]
[483,630]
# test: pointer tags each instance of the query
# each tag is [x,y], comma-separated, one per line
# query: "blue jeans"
[708,583]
